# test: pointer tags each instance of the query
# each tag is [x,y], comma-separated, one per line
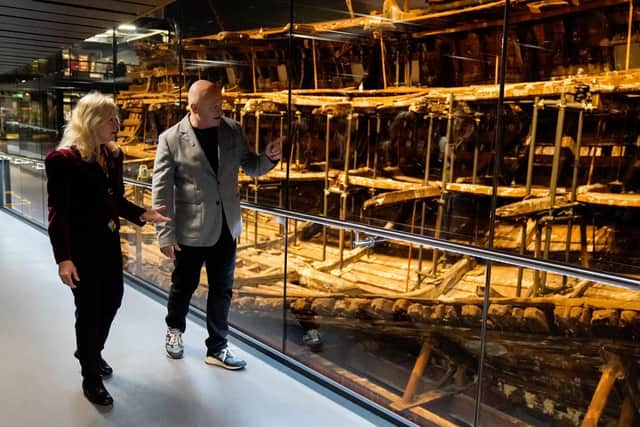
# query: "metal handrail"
[604,277]
[599,276]
[137,183]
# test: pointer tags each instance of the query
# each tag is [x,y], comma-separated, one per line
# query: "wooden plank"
[612,371]
[630,200]
[516,192]
[452,276]
[373,279]
[384,396]
[396,274]
[401,196]
[379,183]
[531,206]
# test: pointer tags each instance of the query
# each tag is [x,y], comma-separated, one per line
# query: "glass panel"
[14,195]
[570,147]
[257,306]
[251,66]
[257,302]
[28,131]
[151,93]
[24,188]
[367,313]
[563,358]
[140,251]
[578,167]
[387,129]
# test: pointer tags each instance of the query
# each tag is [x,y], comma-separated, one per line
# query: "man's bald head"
[199,89]
[205,99]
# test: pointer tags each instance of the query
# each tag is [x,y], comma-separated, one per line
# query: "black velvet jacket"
[84,202]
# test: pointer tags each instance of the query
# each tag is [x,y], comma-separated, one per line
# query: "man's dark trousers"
[220,260]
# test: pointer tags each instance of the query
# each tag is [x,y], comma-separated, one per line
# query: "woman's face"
[107,130]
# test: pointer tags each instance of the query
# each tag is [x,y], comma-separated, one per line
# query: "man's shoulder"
[233,124]
[170,133]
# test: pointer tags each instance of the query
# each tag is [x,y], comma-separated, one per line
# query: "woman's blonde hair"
[88,113]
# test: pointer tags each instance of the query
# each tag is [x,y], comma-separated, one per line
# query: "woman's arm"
[126,209]
[129,210]
[58,169]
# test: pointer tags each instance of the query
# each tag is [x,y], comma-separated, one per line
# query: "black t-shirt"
[208,140]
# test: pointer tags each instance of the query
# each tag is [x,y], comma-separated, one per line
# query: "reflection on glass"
[371,314]
[258,293]
[151,100]
[23,187]
[563,358]
[392,122]
[257,306]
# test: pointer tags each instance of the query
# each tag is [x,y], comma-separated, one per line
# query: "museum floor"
[40,383]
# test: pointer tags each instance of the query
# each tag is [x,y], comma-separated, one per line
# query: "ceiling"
[32,29]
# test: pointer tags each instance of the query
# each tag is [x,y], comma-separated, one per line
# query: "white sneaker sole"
[174,356]
[213,361]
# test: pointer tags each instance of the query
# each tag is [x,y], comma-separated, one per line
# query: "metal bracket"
[367,241]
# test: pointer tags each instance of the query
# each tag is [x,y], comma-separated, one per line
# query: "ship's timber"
[610,199]
[544,352]
[515,192]
[544,348]
[537,347]
[393,18]
[421,99]
[401,196]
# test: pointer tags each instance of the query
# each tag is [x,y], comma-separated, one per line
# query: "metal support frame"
[344,192]
[427,171]
[443,194]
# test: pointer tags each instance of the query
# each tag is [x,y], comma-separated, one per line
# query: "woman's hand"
[154,215]
[67,272]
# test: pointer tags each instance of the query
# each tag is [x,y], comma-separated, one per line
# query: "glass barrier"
[394,121]
[151,97]
[28,122]
[569,170]
[393,116]
[368,312]
[24,188]
[140,251]
[366,307]
[257,308]
[564,353]
[259,265]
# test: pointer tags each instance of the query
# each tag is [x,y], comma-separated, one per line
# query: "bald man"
[195,175]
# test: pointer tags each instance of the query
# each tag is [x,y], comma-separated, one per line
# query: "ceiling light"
[127,27]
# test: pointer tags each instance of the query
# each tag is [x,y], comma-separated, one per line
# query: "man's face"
[209,108]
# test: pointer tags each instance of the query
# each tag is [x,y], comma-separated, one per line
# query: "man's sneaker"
[313,340]
[173,343]
[226,359]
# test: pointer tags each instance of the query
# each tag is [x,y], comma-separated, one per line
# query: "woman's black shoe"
[104,368]
[95,392]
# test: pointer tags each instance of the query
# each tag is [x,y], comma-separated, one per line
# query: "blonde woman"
[86,199]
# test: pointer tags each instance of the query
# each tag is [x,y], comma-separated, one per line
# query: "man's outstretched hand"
[274,149]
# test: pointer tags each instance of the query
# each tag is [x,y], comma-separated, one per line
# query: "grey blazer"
[196,198]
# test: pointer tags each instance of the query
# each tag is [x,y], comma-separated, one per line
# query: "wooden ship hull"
[409,144]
